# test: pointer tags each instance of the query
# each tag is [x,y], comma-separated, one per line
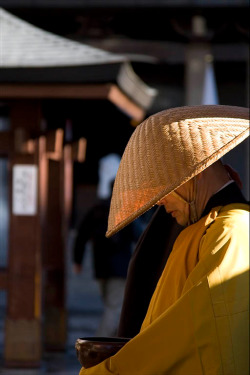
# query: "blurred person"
[111,255]
[197,321]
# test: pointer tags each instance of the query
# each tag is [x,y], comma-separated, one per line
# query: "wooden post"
[23,321]
[56,168]
[195,61]
[51,177]
[3,279]
[75,152]
[23,345]
[195,72]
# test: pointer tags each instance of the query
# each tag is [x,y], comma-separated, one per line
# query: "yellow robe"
[198,318]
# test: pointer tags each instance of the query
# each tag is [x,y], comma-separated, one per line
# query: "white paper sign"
[24,200]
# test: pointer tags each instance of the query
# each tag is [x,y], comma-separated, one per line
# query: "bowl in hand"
[92,350]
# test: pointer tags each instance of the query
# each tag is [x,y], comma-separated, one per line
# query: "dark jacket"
[111,255]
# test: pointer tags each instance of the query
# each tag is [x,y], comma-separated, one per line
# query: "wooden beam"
[51,91]
[121,4]
[117,97]
[54,91]
[155,51]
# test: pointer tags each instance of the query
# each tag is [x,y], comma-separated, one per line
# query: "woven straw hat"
[168,149]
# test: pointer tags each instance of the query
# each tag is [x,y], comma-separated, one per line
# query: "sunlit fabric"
[198,318]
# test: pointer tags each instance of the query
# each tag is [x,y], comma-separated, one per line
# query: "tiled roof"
[25,45]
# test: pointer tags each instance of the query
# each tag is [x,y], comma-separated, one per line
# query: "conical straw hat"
[168,149]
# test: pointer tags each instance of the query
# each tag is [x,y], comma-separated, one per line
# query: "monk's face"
[177,207]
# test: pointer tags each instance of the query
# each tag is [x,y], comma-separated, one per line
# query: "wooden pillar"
[72,153]
[53,244]
[197,52]
[67,188]
[23,345]
[56,168]
[196,56]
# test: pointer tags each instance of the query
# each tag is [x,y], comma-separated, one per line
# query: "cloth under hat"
[168,149]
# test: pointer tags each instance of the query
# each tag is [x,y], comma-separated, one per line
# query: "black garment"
[111,255]
[230,194]
[150,257]
[145,268]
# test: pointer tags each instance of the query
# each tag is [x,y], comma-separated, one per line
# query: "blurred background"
[76,78]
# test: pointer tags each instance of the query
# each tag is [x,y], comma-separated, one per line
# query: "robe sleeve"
[178,342]
[205,331]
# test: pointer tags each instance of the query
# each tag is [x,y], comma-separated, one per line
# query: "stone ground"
[84,310]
